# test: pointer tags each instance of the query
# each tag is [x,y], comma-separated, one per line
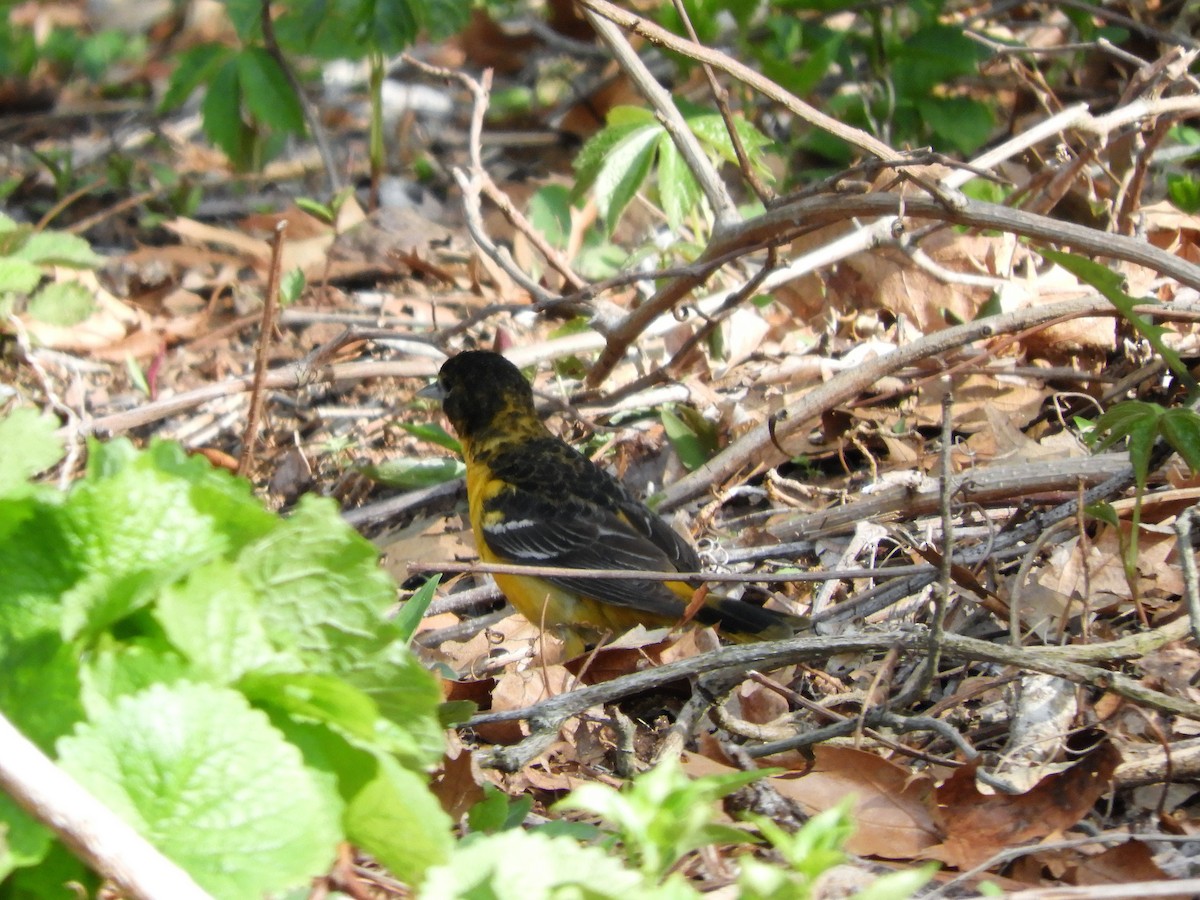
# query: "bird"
[535,500]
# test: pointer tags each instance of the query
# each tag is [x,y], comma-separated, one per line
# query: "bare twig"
[265,338]
[725,212]
[721,98]
[720,61]
[1187,562]
[93,832]
[941,595]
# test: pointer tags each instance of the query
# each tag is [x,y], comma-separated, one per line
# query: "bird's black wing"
[558,509]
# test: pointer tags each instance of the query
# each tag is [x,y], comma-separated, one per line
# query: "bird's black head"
[477,387]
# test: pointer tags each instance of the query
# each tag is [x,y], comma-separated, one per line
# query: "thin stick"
[1187,562]
[941,596]
[90,829]
[265,337]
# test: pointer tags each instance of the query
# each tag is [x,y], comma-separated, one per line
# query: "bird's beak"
[432,392]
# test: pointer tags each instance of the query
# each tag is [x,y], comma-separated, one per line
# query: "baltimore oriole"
[535,500]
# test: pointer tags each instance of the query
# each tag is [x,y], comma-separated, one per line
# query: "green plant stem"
[376,151]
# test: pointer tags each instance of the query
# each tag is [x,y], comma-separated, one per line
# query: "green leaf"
[291,286]
[497,867]
[23,840]
[214,619]
[663,813]
[1109,283]
[435,434]
[1122,419]
[1103,512]
[550,213]
[677,186]
[623,171]
[267,93]
[317,209]
[409,473]
[63,303]
[622,121]
[930,57]
[413,609]
[57,248]
[306,696]
[30,444]
[1181,428]
[195,66]
[209,782]
[18,276]
[960,123]
[497,812]
[1183,190]
[324,600]
[117,669]
[141,522]
[714,133]
[398,820]
[221,113]
[898,885]
[694,440]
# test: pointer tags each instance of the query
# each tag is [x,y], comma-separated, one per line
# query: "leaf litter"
[178,306]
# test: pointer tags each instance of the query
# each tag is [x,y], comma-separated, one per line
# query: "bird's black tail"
[744,621]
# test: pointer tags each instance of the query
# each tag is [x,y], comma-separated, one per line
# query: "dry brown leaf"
[1122,864]
[977,826]
[893,808]
[457,784]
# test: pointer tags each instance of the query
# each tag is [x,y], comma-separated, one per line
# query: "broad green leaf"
[398,820]
[133,527]
[30,444]
[694,440]
[194,67]
[960,123]
[622,121]
[497,811]
[306,696]
[1181,428]
[63,303]
[267,93]
[1104,512]
[115,669]
[213,785]
[1141,443]
[57,248]
[497,867]
[291,286]
[40,688]
[550,213]
[214,619]
[221,113]
[677,186]
[18,276]
[323,600]
[323,595]
[1184,191]
[932,56]
[393,25]
[1119,421]
[713,132]
[623,172]
[23,840]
